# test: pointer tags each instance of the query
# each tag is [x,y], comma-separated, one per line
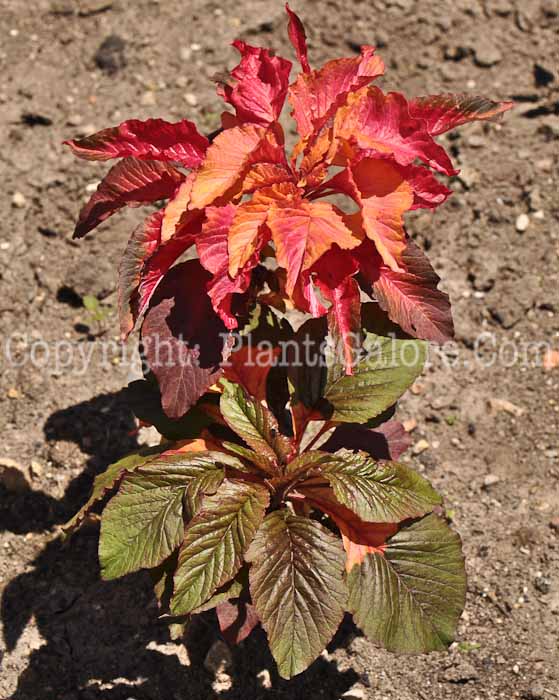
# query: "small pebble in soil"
[549,8]
[501,7]
[409,424]
[490,480]
[544,164]
[468,177]
[542,584]
[148,99]
[74,120]
[18,200]
[93,7]
[36,469]
[476,141]
[381,39]
[110,57]
[462,672]
[487,54]
[420,446]
[534,199]
[191,99]
[522,223]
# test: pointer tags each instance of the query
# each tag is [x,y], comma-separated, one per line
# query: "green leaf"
[306,368]
[255,423]
[231,589]
[297,587]
[308,460]
[110,478]
[215,542]
[410,599]
[260,461]
[379,492]
[389,367]
[91,303]
[144,522]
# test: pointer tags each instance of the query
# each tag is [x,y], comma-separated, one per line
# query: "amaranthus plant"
[275,496]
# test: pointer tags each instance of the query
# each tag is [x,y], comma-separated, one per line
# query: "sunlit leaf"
[259,85]
[129,182]
[153,139]
[215,542]
[297,587]
[378,491]
[144,522]
[410,597]
[445,112]
[253,422]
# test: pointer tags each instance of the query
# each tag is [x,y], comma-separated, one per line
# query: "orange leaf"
[384,195]
[359,538]
[176,208]
[302,231]
[195,445]
[316,95]
[250,367]
[244,233]
[232,152]
[265,175]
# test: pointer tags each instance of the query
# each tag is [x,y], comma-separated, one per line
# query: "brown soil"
[67,634]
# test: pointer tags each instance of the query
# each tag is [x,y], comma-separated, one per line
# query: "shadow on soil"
[103,640]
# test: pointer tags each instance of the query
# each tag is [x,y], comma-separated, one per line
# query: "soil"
[486,434]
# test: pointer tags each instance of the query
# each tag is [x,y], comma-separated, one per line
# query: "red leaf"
[212,244]
[315,96]
[428,192]
[236,620]
[250,367]
[153,139]
[444,112]
[334,277]
[184,341]
[298,38]
[212,249]
[305,297]
[259,85]
[229,158]
[130,182]
[153,247]
[411,298]
[157,266]
[387,441]
[373,120]
[141,246]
